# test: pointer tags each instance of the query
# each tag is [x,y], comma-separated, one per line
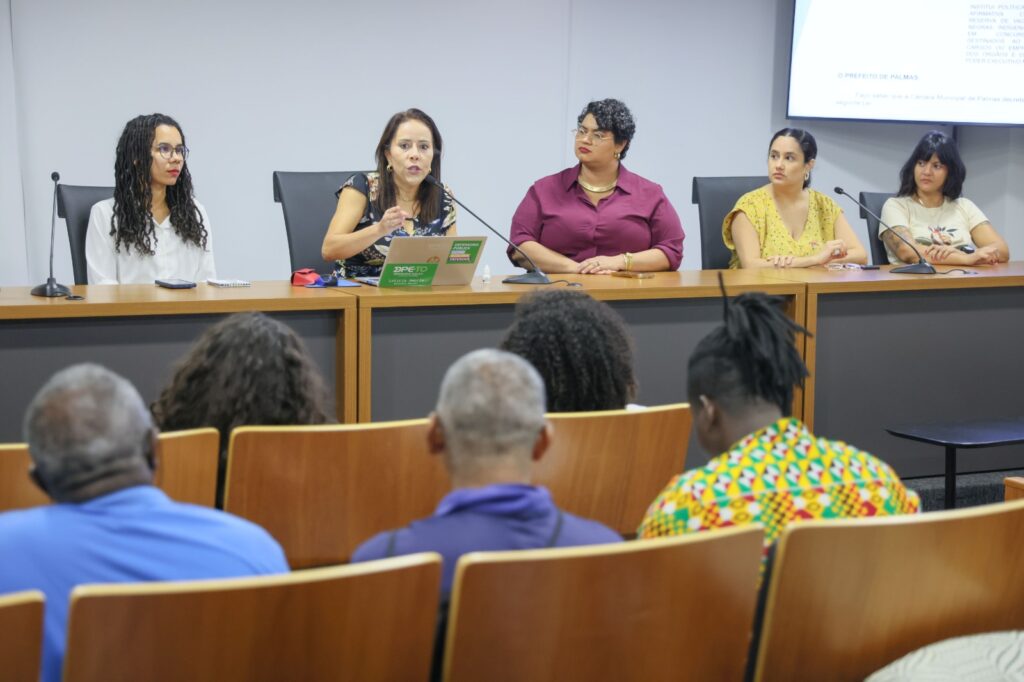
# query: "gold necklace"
[919,200]
[597,190]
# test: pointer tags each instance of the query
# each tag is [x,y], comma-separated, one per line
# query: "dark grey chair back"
[875,201]
[308,202]
[715,197]
[74,202]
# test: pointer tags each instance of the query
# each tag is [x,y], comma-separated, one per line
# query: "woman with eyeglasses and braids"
[152,228]
[769,469]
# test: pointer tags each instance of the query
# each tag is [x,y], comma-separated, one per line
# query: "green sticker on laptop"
[408,274]
[464,251]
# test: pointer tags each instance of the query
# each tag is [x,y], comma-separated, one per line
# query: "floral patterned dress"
[368,262]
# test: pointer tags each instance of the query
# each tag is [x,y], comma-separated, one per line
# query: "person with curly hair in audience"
[152,228]
[579,345]
[248,369]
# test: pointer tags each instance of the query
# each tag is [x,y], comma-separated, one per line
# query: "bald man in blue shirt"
[92,444]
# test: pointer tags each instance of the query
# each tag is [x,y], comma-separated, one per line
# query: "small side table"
[975,434]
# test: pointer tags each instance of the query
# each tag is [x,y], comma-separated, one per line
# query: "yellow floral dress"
[775,239]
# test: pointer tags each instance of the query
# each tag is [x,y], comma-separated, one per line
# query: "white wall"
[13,258]
[307,85]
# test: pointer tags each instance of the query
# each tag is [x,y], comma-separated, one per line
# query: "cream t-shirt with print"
[948,225]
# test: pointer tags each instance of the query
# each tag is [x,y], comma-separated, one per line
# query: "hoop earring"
[807,176]
[389,168]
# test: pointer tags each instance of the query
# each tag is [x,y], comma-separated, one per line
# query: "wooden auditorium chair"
[323,490]
[847,597]
[609,466]
[21,622]
[186,470]
[665,609]
[1013,488]
[371,621]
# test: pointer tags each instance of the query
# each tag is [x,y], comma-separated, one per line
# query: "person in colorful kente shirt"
[772,469]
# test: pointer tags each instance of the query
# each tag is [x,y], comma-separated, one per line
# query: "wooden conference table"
[887,348]
[141,331]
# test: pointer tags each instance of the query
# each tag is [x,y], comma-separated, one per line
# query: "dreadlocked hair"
[248,369]
[579,346]
[751,357]
[132,222]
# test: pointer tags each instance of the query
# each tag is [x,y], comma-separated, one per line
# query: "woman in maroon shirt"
[597,217]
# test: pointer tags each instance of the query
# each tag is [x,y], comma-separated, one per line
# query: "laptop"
[429,261]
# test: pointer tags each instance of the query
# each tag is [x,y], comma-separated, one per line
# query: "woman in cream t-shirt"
[929,211]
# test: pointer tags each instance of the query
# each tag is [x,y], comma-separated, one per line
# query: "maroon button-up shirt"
[637,216]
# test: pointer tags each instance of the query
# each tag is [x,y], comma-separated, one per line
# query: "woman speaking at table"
[785,224]
[597,217]
[929,210]
[393,201]
[152,228]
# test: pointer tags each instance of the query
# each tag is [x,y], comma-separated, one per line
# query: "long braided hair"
[132,222]
[751,357]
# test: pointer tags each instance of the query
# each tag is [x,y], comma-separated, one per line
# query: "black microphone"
[921,267]
[537,276]
[51,289]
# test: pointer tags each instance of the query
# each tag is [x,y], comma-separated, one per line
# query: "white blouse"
[174,257]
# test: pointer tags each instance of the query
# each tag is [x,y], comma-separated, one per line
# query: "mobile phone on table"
[172,283]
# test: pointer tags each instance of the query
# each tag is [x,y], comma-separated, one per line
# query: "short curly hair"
[579,345]
[613,116]
[248,369]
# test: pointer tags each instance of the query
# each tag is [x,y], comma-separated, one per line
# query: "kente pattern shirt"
[776,476]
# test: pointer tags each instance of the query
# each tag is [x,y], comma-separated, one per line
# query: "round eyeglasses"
[168,151]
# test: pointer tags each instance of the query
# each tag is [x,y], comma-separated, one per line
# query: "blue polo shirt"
[133,535]
[491,518]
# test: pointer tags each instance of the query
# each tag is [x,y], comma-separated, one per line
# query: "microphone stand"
[536,276]
[921,267]
[51,289]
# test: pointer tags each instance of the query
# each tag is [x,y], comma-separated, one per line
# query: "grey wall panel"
[919,356]
[143,349]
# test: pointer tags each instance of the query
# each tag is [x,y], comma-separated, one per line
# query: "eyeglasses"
[168,151]
[843,266]
[597,135]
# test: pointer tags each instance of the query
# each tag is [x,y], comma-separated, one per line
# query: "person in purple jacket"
[489,427]
[597,217]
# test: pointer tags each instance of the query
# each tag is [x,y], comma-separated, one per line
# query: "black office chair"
[308,202]
[875,201]
[74,202]
[715,197]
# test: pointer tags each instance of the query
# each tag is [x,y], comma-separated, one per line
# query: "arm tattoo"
[892,241]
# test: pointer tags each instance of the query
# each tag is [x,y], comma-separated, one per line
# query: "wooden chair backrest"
[665,609]
[21,622]
[371,621]
[1013,488]
[186,470]
[187,464]
[323,490]
[609,466]
[848,597]
[17,491]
